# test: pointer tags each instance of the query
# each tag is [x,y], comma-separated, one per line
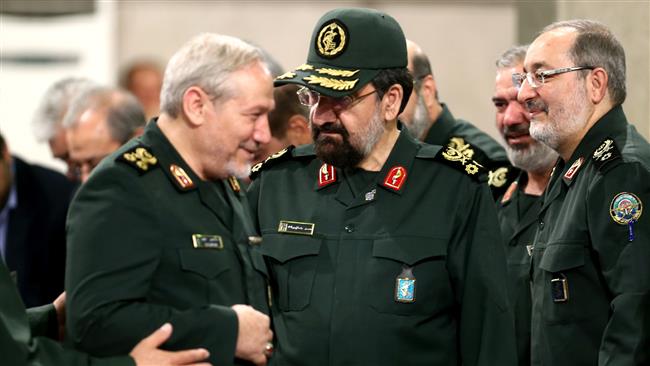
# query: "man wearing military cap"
[373,241]
[591,279]
[160,231]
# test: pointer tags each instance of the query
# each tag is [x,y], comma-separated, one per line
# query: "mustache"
[517,129]
[329,127]
[536,105]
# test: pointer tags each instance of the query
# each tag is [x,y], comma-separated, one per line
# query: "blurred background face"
[89,141]
[513,124]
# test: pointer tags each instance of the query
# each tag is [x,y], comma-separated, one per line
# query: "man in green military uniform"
[160,232]
[28,337]
[519,207]
[432,122]
[381,250]
[591,279]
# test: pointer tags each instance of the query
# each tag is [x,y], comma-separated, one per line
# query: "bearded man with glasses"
[380,249]
[590,256]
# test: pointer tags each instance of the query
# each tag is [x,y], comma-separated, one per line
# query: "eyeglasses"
[537,78]
[310,98]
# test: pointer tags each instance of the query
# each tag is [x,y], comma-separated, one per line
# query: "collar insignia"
[184,181]
[234,184]
[395,178]
[326,175]
[332,39]
[574,168]
[506,196]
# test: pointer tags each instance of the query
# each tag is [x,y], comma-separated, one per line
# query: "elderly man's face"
[513,123]
[344,137]
[237,126]
[89,141]
[559,108]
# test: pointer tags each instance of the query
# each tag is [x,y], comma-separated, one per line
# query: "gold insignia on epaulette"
[498,177]
[331,39]
[286,75]
[305,67]
[256,167]
[329,83]
[471,166]
[603,152]
[142,158]
[277,154]
[335,72]
[459,144]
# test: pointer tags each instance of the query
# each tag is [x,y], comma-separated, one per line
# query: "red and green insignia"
[326,175]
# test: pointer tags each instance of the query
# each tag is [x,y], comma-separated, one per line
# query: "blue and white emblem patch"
[405,286]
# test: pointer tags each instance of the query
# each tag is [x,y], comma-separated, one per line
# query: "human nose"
[515,113]
[526,92]
[322,113]
[262,132]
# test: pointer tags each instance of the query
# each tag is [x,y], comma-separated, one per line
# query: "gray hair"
[596,45]
[205,61]
[124,114]
[512,57]
[54,104]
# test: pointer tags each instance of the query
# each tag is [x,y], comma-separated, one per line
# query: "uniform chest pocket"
[569,284]
[392,258]
[207,263]
[292,260]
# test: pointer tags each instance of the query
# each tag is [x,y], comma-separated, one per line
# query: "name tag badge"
[203,241]
[560,289]
[294,227]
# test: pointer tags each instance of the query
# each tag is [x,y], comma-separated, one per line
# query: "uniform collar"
[440,130]
[167,156]
[611,125]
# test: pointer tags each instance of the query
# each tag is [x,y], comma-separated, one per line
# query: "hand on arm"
[147,353]
[254,334]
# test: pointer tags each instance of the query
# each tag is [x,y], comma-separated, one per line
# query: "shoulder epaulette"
[139,158]
[606,153]
[282,155]
[458,143]
[458,160]
[498,177]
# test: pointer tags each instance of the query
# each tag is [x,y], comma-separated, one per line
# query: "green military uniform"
[591,256]
[149,243]
[343,248]
[476,144]
[518,214]
[23,334]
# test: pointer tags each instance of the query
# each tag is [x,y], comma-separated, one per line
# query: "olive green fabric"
[348,48]
[133,264]
[518,213]
[22,342]
[334,291]
[484,149]
[605,319]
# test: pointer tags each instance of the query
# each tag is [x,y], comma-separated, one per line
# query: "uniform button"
[349,228]
[541,224]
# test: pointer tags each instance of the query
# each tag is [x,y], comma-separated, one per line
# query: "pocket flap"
[561,257]
[285,247]
[409,250]
[207,263]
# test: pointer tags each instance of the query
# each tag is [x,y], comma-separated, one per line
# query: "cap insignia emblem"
[332,40]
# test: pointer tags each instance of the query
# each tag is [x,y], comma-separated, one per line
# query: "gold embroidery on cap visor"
[331,40]
[305,67]
[286,75]
[329,83]
[335,72]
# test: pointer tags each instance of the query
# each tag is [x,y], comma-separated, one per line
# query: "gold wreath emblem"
[141,157]
[327,42]
[329,83]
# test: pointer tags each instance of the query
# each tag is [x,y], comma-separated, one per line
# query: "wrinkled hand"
[146,352]
[254,334]
[59,306]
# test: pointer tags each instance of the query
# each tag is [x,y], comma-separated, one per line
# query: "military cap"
[349,46]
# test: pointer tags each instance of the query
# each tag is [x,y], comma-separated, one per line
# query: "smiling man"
[519,207]
[382,250]
[160,231]
[591,279]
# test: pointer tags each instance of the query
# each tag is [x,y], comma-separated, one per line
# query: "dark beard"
[340,154]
